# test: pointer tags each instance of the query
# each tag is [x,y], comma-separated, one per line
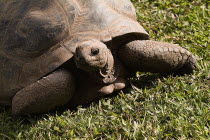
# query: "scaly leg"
[157,57]
[51,91]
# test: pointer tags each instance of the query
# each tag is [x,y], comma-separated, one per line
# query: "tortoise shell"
[38,36]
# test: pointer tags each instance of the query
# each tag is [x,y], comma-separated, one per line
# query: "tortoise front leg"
[157,57]
[51,91]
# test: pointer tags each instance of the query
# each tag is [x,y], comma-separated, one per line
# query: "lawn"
[156,106]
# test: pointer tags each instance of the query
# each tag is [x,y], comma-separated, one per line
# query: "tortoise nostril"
[77,52]
[94,51]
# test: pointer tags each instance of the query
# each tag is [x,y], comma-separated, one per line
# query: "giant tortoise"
[58,52]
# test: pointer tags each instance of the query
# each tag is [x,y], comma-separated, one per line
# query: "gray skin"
[70,52]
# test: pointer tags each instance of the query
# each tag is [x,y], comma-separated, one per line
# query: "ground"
[156,106]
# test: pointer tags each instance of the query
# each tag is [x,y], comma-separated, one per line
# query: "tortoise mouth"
[91,55]
[95,58]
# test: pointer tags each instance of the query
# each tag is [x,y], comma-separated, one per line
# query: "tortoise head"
[95,58]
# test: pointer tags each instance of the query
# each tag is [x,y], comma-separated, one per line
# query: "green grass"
[156,107]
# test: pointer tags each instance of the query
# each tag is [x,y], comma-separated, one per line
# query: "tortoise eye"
[94,51]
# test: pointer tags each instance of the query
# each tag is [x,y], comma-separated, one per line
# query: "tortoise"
[69,52]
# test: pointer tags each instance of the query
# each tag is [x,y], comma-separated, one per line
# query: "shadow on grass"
[146,80]
[141,82]
[12,126]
